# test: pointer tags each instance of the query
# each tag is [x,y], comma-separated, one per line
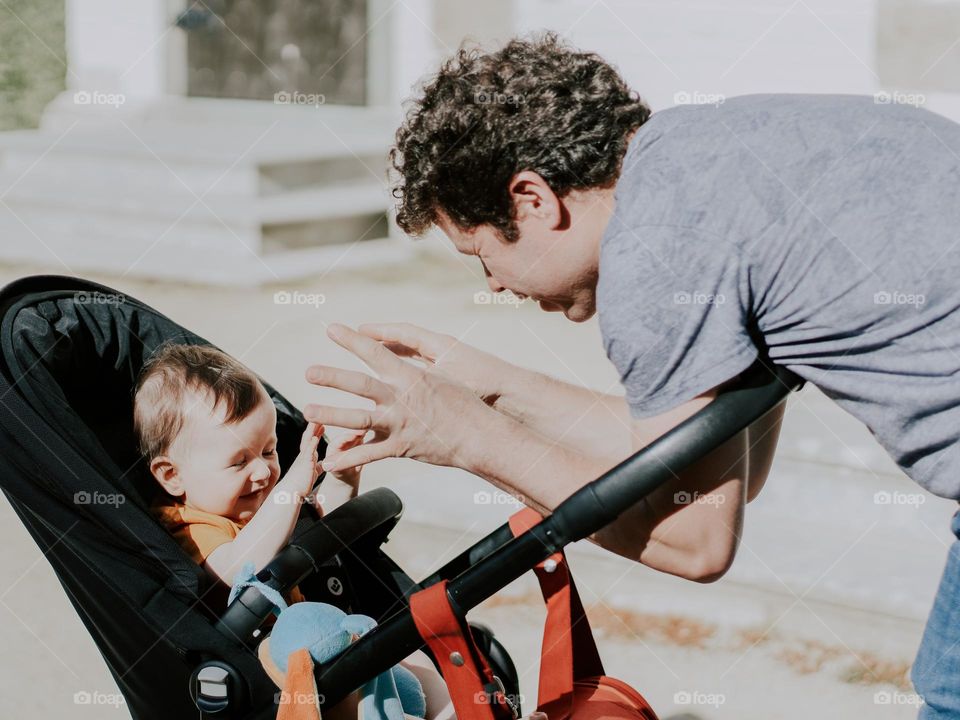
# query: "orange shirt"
[199,532]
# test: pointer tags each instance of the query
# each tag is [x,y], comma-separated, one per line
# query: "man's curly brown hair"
[535,105]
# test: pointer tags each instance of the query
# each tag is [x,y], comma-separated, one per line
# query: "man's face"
[554,261]
[227,469]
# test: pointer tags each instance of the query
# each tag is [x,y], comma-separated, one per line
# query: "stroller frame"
[217,660]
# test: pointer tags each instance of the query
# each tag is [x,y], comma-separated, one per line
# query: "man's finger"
[422,341]
[360,455]
[351,418]
[351,381]
[375,355]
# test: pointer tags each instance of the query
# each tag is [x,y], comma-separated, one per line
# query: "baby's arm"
[272,524]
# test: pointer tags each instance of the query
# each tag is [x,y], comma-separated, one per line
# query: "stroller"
[70,351]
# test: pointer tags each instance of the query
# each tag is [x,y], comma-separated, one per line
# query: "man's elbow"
[708,566]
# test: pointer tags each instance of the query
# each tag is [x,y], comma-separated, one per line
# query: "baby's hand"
[350,475]
[304,471]
[342,485]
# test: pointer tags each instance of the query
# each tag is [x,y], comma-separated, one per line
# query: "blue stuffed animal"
[324,631]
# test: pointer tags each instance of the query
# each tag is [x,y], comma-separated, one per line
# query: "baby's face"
[227,469]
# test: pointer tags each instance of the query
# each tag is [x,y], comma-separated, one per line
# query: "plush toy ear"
[298,699]
[358,624]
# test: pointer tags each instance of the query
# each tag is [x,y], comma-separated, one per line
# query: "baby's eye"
[239,464]
[268,453]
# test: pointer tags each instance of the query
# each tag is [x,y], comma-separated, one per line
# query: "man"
[815,232]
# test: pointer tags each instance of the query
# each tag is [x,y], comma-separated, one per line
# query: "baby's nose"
[260,471]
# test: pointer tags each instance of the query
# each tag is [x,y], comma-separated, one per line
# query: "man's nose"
[494,285]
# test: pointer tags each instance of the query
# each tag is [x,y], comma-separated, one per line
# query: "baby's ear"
[163,469]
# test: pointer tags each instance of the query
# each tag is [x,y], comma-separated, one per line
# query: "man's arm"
[689,527]
[556,410]
[563,412]
[764,434]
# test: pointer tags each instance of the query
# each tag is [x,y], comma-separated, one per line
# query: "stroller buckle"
[497,688]
[214,685]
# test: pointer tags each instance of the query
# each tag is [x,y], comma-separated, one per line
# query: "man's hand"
[418,413]
[478,370]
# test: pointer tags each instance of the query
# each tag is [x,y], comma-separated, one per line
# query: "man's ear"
[534,199]
[164,470]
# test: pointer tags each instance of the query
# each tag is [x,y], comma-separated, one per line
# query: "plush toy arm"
[248,578]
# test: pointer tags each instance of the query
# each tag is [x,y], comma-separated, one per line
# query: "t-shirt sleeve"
[672,314]
[200,539]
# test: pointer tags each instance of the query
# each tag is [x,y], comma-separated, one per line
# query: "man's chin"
[578,315]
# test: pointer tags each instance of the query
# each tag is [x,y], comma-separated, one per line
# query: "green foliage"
[32,59]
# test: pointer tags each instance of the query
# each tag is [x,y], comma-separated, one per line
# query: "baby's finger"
[313,430]
[309,445]
[350,441]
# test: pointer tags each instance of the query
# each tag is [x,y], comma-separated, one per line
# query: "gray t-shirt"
[820,230]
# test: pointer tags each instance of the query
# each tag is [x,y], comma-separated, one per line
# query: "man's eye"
[270,452]
[239,464]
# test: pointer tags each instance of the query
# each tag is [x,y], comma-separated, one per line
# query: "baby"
[207,427]
[208,430]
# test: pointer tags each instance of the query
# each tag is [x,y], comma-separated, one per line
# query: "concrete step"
[259,198]
[179,203]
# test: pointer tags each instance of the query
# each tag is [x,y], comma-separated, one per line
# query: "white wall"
[739,46]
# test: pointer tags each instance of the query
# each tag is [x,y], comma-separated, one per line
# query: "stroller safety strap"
[573,685]
[477,694]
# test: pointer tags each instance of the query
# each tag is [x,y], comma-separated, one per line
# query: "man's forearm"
[562,412]
[542,472]
[661,532]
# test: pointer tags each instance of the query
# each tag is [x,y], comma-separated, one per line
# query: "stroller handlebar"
[369,518]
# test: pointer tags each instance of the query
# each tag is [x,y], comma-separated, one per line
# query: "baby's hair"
[173,371]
